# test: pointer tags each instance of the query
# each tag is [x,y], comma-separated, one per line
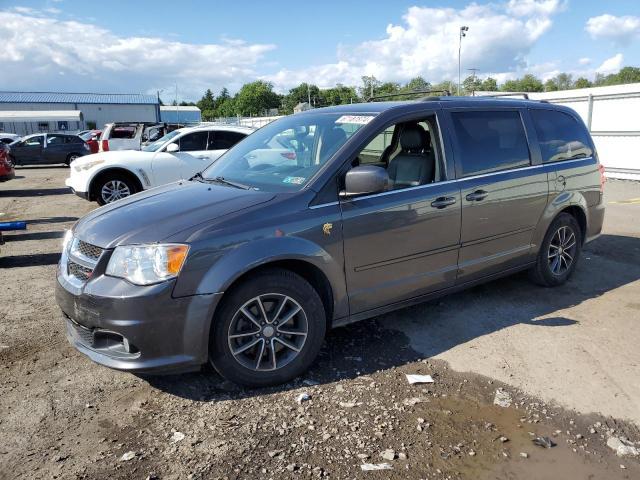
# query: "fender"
[139,173]
[233,263]
[558,201]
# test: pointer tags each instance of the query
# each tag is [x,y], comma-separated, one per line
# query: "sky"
[144,47]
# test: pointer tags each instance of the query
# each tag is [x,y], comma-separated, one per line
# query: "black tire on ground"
[272,287]
[554,266]
[12,160]
[113,181]
[71,157]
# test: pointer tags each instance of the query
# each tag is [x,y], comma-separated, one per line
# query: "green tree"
[582,83]
[256,98]
[489,84]
[550,86]
[301,94]
[563,81]
[338,95]
[207,105]
[369,87]
[417,83]
[471,84]
[528,83]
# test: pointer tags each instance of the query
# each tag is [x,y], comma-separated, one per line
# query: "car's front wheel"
[559,252]
[71,157]
[112,187]
[269,329]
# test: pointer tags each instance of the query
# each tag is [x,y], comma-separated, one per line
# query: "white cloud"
[48,53]
[611,65]
[499,39]
[535,7]
[584,61]
[620,30]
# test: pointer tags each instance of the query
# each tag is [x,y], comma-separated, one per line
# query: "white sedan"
[109,176]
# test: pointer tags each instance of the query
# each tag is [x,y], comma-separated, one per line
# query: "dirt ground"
[567,361]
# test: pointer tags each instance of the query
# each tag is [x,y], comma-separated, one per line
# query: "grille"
[88,250]
[84,335]
[79,271]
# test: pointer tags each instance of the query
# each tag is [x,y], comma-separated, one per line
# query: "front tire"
[268,330]
[559,252]
[113,187]
[71,157]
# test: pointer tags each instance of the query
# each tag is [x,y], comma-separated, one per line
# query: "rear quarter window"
[561,137]
[489,141]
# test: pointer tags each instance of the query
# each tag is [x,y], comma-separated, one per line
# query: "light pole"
[463,33]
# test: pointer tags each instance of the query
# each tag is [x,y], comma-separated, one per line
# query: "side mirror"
[365,179]
[172,148]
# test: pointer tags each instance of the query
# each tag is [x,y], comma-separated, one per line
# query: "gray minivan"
[358,210]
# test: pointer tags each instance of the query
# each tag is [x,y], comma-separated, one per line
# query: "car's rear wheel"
[112,187]
[559,252]
[269,329]
[12,160]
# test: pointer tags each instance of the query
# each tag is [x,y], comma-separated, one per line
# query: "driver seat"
[415,164]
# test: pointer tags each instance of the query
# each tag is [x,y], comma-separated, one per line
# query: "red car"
[91,138]
[6,167]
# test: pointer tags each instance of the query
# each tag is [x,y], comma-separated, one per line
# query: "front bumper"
[77,187]
[134,328]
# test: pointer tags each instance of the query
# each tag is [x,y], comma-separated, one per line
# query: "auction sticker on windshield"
[294,180]
[357,119]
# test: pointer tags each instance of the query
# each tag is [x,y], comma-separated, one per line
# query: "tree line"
[258,98]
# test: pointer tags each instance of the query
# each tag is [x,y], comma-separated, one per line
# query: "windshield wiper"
[224,181]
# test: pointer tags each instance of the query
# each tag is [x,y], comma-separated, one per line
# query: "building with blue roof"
[97,109]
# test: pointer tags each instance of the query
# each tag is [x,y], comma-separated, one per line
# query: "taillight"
[603,179]
[104,145]
[289,155]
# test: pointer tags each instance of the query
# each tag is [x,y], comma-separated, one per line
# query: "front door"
[503,194]
[402,243]
[56,148]
[29,151]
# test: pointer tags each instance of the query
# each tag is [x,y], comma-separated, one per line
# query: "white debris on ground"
[303,397]
[414,378]
[502,398]
[128,456]
[375,466]
[177,437]
[622,446]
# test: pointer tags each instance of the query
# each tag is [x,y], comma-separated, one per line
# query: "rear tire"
[259,346]
[559,252]
[112,187]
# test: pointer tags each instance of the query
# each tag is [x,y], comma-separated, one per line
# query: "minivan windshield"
[283,155]
[154,146]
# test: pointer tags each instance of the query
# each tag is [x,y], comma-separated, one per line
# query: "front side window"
[408,151]
[560,136]
[193,142]
[283,155]
[158,144]
[489,141]
[34,141]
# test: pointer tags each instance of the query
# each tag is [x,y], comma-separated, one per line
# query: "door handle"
[477,196]
[442,202]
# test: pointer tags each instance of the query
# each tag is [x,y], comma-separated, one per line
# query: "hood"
[156,214]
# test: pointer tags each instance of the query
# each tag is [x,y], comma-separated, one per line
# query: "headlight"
[87,166]
[147,264]
[68,236]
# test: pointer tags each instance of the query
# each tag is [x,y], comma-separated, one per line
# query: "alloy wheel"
[114,190]
[268,332]
[562,250]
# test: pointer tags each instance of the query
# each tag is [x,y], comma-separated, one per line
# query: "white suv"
[109,176]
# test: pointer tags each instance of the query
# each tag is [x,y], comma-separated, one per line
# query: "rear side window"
[221,140]
[561,136]
[489,141]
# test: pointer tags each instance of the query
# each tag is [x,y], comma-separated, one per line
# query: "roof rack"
[506,94]
[428,93]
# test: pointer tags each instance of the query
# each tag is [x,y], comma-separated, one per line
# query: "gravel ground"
[62,416]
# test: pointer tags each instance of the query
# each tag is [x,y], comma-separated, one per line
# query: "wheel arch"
[105,172]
